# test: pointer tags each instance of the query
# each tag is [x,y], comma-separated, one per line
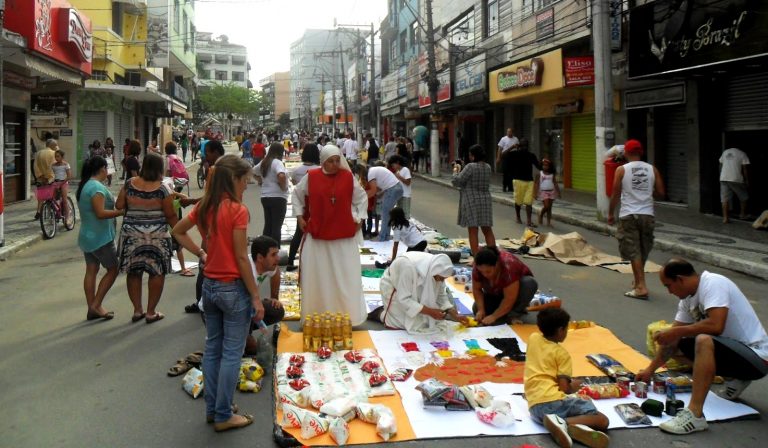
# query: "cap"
[633,147]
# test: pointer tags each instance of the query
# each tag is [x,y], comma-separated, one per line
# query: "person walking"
[230,296]
[97,235]
[390,149]
[371,148]
[635,185]
[734,180]
[184,146]
[475,206]
[145,243]
[546,189]
[332,235]
[506,145]
[521,163]
[310,158]
[351,150]
[272,175]
[420,149]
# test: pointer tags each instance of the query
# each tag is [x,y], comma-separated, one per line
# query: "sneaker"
[558,428]
[732,389]
[192,308]
[684,423]
[588,436]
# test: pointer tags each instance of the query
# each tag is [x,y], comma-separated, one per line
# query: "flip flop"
[224,426]
[235,410]
[158,316]
[634,295]
[137,317]
[187,273]
[93,316]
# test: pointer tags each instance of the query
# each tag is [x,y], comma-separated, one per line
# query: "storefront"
[720,52]
[47,50]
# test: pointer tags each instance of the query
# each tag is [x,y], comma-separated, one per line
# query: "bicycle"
[202,172]
[52,209]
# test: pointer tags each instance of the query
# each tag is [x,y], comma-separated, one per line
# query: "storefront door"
[671,160]
[15,171]
[583,153]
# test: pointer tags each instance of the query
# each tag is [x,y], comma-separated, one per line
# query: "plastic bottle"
[347,332]
[338,334]
[327,334]
[307,330]
[316,335]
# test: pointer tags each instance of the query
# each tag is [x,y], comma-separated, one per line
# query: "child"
[546,189]
[402,230]
[110,156]
[61,173]
[548,380]
[399,166]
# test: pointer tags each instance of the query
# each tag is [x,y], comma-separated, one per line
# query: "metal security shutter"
[123,130]
[583,153]
[746,104]
[94,128]
[671,141]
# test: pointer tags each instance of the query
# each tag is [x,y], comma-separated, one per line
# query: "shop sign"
[50,104]
[669,36]
[52,28]
[389,88]
[574,107]
[180,92]
[545,24]
[66,132]
[469,76]
[655,96]
[443,90]
[23,82]
[74,31]
[579,71]
[615,24]
[522,77]
[442,58]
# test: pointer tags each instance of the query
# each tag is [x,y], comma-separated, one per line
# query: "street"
[71,383]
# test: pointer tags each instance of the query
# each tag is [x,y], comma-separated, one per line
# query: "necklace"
[333,191]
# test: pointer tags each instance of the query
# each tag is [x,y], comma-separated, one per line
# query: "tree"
[284,121]
[222,100]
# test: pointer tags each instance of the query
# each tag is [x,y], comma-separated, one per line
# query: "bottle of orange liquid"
[347,332]
[327,334]
[316,335]
[307,333]
[338,335]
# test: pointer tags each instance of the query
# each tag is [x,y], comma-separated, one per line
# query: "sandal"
[181,366]
[224,426]
[152,319]
[186,273]
[93,315]
[235,410]
[632,294]
[194,358]
[137,317]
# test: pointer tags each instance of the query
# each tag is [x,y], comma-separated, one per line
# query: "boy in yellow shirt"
[548,381]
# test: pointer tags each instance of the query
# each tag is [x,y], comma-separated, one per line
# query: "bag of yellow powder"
[654,327]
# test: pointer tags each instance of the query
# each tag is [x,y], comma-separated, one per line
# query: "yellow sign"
[529,77]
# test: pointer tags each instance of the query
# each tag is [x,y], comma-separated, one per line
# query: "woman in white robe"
[330,271]
[414,295]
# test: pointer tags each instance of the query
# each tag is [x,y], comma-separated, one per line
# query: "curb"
[7,251]
[758,270]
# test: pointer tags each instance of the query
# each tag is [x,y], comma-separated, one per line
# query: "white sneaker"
[588,436]
[732,389]
[684,423]
[558,428]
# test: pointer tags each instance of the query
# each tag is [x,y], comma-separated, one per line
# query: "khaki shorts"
[728,189]
[523,191]
[635,235]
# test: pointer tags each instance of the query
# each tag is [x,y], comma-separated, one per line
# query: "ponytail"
[90,167]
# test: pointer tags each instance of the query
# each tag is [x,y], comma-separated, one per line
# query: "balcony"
[133,6]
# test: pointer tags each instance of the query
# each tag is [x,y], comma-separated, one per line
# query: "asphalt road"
[71,383]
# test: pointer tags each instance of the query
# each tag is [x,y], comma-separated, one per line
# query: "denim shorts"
[567,407]
[105,256]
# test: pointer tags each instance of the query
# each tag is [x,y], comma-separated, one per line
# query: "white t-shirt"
[269,187]
[410,236]
[637,189]
[383,177]
[351,148]
[742,324]
[506,143]
[301,171]
[405,173]
[60,171]
[733,159]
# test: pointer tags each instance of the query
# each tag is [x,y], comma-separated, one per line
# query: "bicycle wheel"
[48,220]
[200,178]
[70,218]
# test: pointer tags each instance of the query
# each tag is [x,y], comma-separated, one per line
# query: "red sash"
[330,202]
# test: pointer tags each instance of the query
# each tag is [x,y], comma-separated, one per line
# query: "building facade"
[276,90]
[221,62]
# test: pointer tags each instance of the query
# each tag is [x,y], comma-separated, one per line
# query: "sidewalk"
[22,230]
[736,246]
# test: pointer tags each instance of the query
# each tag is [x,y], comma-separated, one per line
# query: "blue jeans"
[389,198]
[228,313]
[567,407]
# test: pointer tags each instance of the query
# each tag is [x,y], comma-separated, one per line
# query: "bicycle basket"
[45,192]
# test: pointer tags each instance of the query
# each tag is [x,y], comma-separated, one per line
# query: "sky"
[268,27]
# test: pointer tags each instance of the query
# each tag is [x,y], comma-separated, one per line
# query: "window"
[117,18]
[176,15]
[526,8]
[492,17]
[403,41]
[238,76]
[99,75]
[545,3]
[415,34]
[221,75]
[462,32]
[392,50]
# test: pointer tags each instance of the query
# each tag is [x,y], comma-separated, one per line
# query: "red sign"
[53,29]
[579,71]
[443,90]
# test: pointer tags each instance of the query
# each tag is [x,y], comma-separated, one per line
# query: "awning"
[136,93]
[41,67]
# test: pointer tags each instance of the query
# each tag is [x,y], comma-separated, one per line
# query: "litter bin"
[610,172]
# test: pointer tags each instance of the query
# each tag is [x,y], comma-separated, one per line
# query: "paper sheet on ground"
[176,266]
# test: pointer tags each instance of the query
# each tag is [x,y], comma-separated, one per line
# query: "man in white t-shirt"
[734,179]
[351,149]
[399,167]
[507,144]
[716,328]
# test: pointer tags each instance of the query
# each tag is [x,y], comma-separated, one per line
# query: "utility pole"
[605,134]
[343,85]
[2,139]
[433,84]
[359,90]
[333,92]
[372,87]
[322,95]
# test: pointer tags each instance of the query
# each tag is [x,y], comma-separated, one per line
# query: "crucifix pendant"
[333,200]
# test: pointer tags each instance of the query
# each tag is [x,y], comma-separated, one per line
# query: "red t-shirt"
[258,150]
[221,264]
[512,270]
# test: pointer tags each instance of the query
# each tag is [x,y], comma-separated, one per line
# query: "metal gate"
[671,160]
[94,128]
[123,130]
[746,105]
[583,153]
